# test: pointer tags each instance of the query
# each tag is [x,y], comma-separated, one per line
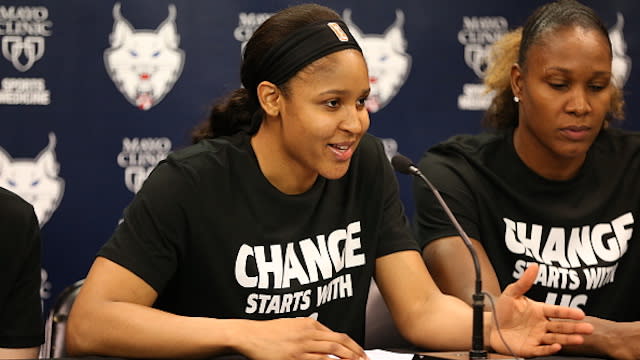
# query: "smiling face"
[319,123]
[565,92]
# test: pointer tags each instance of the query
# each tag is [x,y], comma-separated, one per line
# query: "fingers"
[543,350]
[560,333]
[562,312]
[523,284]
[337,344]
[334,350]
[567,327]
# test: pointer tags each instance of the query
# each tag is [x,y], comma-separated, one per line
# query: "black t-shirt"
[20,304]
[216,239]
[581,231]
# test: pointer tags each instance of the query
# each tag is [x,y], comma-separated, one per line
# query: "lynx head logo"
[35,180]
[387,59]
[144,64]
[621,64]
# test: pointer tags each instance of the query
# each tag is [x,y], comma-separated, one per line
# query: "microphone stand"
[477,338]
[404,165]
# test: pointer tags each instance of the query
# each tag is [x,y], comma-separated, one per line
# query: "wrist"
[487,329]
[612,338]
[232,331]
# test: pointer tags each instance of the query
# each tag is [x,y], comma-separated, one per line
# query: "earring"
[516,99]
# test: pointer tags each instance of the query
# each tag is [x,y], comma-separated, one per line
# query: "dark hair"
[235,112]
[514,46]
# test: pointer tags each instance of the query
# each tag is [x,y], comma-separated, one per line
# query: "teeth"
[341,147]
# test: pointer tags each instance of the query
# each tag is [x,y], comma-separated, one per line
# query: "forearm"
[445,323]
[131,330]
[619,340]
[23,353]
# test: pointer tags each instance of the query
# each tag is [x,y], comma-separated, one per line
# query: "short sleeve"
[447,172]
[20,275]
[151,237]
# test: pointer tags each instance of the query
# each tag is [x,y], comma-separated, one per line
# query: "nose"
[579,103]
[356,120]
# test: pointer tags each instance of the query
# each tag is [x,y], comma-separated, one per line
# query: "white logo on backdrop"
[621,65]
[390,147]
[35,180]
[477,35]
[24,91]
[138,158]
[16,22]
[387,59]
[144,64]
[247,24]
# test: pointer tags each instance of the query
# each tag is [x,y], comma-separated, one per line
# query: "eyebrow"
[344,92]
[567,71]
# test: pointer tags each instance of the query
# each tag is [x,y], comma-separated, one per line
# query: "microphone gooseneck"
[403,165]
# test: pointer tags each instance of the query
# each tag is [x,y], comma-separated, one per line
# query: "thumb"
[523,284]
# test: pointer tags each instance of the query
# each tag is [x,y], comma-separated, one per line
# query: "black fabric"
[583,232]
[300,49]
[20,305]
[205,226]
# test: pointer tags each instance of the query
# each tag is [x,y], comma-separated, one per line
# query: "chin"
[336,172]
[575,152]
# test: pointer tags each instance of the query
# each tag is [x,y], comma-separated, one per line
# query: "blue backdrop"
[94,93]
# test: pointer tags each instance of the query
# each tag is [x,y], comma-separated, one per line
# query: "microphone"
[403,165]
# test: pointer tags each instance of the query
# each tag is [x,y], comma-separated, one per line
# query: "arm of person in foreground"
[23,353]
[618,340]
[432,320]
[112,316]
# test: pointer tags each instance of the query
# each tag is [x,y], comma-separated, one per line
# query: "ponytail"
[232,115]
[503,111]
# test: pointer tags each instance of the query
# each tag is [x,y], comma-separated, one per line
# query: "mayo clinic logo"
[23,30]
[247,24]
[139,156]
[477,35]
[144,64]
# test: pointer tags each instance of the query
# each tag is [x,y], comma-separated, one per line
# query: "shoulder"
[470,144]
[13,207]
[619,136]
[623,144]
[466,147]
[216,155]
[370,153]
[216,150]
[370,144]
[17,221]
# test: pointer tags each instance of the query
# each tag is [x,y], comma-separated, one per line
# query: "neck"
[543,161]
[283,172]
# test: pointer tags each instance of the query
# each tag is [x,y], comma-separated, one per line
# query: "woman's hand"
[527,325]
[296,339]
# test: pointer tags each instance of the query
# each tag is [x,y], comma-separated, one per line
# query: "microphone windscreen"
[402,164]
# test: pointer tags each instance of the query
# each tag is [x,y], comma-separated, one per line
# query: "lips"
[342,151]
[575,132]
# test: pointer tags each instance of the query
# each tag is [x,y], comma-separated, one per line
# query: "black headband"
[301,48]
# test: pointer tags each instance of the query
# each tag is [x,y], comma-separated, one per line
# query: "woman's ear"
[269,96]
[516,80]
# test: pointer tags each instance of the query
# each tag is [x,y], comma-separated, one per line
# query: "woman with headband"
[262,238]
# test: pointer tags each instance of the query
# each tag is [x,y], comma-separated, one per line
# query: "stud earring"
[516,99]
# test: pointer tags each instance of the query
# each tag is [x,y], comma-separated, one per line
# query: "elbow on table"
[78,336]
